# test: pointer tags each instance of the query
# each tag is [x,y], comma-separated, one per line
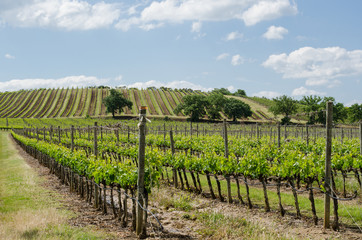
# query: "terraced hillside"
[82,102]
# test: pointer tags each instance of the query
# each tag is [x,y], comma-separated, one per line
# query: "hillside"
[82,102]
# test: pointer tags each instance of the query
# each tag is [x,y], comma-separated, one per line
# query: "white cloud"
[64,14]
[222,56]
[319,66]
[302,91]
[151,26]
[70,81]
[275,32]
[268,10]
[174,84]
[178,11]
[233,36]
[8,56]
[196,27]
[267,94]
[237,60]
[86,15]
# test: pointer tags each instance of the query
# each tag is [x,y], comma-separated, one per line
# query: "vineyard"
[286,165]
[83,102]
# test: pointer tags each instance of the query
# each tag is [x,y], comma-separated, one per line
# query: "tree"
[116,101]
[311,105]
[339,111]
[217,102]
[355,112]
[240,93]
[284,105]
[193,105]
[223,91]
[235,108]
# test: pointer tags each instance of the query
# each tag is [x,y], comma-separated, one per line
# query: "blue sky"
[266,47]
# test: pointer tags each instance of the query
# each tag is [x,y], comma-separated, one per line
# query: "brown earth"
[82,102]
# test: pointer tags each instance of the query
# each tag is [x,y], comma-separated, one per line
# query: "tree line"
[212,106]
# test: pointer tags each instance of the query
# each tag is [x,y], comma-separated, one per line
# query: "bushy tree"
[193,105]
[217,102]
[223,91]
[116,102]
[284,105]
[355,112]
[339,111]
[311,105]
[235,108]
[240,93]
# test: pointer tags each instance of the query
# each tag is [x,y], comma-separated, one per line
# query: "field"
[251,180]
[257,174]
[87,102]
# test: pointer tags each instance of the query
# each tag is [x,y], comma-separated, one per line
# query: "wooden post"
[174,172]
[117,136]
[59,137]
[95,139]
[141,171]
[360,144]
[327,184]
[307,132]
[360,136]
[226,139]
[190,129]
[230,200]
[278,135]
[88,133]
[72,138]
[51,134]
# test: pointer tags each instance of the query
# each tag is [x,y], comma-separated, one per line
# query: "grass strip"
[27,210]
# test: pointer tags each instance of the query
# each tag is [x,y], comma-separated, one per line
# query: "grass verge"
[27,210]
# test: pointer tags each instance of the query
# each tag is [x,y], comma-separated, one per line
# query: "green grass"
[212,223]
[27,210]
[346,211]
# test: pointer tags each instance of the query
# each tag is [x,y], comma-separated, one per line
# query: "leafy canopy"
[284,105]
[235,108]
[355,112]
[116,102]
[193,105]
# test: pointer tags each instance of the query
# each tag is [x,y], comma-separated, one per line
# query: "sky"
[266,47]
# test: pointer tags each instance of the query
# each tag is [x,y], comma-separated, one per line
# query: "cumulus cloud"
[64,14]
[86,15]
[268,10]
[237,60]
[267,94]
[70,81]
[319,66]
[178,11]
[275,32]
[174,84]
[302,91]
[8,56]
[222,56]
[233,36]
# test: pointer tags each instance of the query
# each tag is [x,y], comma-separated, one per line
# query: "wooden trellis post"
[141,172]
[327,185]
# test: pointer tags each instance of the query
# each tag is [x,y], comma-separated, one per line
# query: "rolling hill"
[83,102]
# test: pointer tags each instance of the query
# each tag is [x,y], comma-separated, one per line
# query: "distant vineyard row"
[82,102]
